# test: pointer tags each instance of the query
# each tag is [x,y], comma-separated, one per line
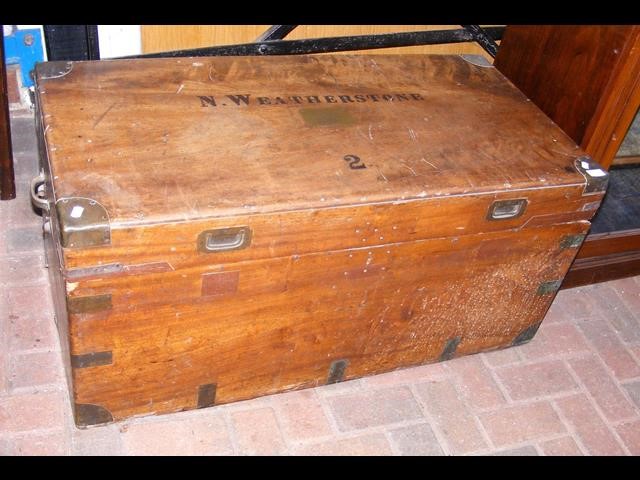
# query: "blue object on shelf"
[24,47]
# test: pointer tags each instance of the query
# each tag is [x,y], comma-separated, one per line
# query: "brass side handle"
[38,192]
[224,239]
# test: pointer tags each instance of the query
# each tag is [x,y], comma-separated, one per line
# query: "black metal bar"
[71,42]
[276,32]
[483,39]
[332,44]
[93,44]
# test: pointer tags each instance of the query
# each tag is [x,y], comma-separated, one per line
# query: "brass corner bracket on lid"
[477,60]
[597,177]
[57,69]
[83,223]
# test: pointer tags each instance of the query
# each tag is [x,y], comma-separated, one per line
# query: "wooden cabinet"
[587,79]
[7,182]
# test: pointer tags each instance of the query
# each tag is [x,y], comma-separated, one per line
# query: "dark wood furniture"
[587,79]
[7,177]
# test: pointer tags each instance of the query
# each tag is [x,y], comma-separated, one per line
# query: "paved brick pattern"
[573,390]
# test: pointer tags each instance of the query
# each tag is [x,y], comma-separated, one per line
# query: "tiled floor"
[573,390]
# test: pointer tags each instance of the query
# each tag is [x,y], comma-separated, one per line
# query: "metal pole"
[483,39]
[332,44]
[276,32]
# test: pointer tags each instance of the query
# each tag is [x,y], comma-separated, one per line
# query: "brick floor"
[31,411]
[362,445]
[610,347]
[564,446]
[39,444]
[573,390]
[475,383]
[536,379]
[602,388]
[369,409]
[35,369]
[528,451]
[302,416]
[416,440]
[200,435]
[520,423]
[102,441]
[258,432]
[451,417]
[630,435]
[591,430]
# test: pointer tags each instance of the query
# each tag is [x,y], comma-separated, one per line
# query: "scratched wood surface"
[312,230]
[379,308]
[466,130]
[377,267]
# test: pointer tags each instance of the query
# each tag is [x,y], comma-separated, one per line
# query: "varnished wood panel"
[587,79]
[407,302]
[309,231]
[610,243]
[54,259]
[455,129]
[584,77]
[619,104]
[604,257]
[603,269]
[7,177]
[627,160]
[395,264]
[162,38]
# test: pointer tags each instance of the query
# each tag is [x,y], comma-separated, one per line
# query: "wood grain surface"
[585,77]
[604,257]
[349,269]
[7,175]
[256,158]
[380,308]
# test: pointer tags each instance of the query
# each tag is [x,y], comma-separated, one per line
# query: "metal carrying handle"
[223,239]
[37,189]
[214,243]
[504,209]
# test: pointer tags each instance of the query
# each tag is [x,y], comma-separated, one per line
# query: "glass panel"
[620,209]
[631,143]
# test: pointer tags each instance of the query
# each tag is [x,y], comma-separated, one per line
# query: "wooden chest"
[223,228]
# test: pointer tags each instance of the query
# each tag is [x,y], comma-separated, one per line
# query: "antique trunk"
[223,228]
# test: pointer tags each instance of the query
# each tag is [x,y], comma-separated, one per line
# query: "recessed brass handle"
[224,239]
[505,209]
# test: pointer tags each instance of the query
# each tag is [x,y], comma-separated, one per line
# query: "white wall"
[119,40]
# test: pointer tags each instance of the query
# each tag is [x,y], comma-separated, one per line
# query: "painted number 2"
[354,162]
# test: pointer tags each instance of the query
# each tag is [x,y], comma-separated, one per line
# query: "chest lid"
[170,140]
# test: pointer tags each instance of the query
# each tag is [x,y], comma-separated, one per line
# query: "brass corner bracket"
[83,223]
